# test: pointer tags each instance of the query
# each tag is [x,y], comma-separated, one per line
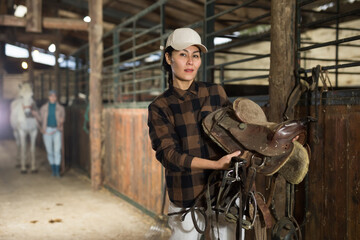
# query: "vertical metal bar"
[50,81]
[57,67]
[87,74]
[298,39]
[222,75]
[2,68]
[162,21]
[115,64]
[67,80]
[337,44]
[134,56]
[209,41]
[76,83]
[42,85]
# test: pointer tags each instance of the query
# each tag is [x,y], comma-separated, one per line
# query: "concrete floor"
[39,206]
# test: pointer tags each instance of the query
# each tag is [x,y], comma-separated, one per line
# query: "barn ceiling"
[178,14]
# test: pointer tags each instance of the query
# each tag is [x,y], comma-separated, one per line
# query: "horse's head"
[26,94]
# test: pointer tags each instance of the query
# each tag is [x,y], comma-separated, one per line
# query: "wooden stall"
[129,167]
[332,199]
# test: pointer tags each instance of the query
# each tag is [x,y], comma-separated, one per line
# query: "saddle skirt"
[267,146]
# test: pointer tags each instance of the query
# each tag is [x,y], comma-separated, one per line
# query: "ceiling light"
[52,48]
[20,11]
[24,65]
[87,19]
[35,52]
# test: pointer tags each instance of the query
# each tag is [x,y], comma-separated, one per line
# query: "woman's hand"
[295,138]
[224,162]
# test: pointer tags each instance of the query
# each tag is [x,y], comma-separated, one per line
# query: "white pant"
[52,141]
[186,230]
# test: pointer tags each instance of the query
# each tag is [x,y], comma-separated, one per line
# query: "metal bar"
[76,87]
[134,56]
[42,85]
[240,24]
[134,47]
[139,57]
[130,39]
[162,35]
[67,80]
[344,40]
[138,80]
[326,59]
[140,91]
[340,66]
[342,28]
[337,45]
[156,65]
[342,45]
[208,28]
[328,19]
[304,2]
[228,10]
[87,75]
[242,42]
[246,78]
[241,69]
[137,16]
[240,61]
[116,59]
[239,53]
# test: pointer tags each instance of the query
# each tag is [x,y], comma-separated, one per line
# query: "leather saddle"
[267,146]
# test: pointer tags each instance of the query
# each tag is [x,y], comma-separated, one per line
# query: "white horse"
[23,124]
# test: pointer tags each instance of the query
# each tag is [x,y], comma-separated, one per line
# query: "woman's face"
[184,65]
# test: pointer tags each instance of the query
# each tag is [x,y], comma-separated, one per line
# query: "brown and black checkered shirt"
[177,136]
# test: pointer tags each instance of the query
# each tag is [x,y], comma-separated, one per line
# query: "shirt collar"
[193,89]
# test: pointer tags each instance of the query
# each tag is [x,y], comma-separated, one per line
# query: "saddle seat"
[266,145]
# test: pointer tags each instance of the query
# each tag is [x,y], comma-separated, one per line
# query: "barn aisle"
[38,206]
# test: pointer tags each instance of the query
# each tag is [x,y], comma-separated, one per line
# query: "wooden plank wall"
[334,175]
[331,191]
[130,166]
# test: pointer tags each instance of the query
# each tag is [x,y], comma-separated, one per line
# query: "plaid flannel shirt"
[174,120]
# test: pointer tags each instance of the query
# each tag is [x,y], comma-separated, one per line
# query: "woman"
[181,145]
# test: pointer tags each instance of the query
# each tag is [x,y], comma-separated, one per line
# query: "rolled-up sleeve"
[166,142]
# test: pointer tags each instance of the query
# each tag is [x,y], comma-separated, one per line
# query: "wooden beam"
[12,21]
[65,23]
[281,78]
[47,22]
[34,15]
[24,37]
[95,53]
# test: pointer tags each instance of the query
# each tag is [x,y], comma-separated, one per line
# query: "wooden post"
[34,16]
[96,56]
[282,66]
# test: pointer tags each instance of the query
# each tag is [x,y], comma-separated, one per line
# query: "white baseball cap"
[182,38]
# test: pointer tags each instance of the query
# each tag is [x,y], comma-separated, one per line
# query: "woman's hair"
[166,66]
